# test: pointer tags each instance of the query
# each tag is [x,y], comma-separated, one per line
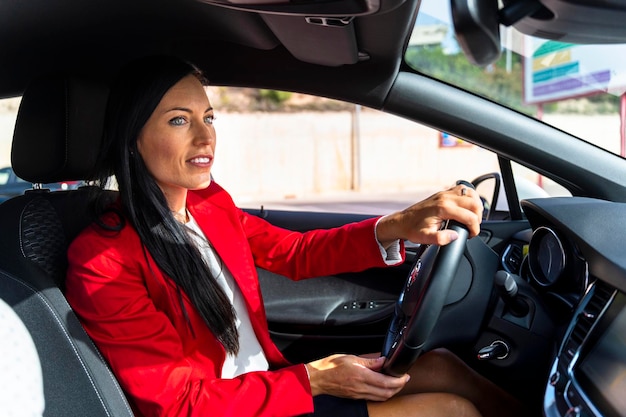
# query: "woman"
[165,281]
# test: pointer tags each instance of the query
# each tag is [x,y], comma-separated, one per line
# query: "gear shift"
[507,288]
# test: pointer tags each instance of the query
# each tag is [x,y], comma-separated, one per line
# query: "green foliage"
[605,103]
[274,96]
[501,82]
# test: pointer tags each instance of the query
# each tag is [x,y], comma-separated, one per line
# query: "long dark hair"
[138,90]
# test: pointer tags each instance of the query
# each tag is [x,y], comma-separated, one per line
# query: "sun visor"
[319,40]
[321,8]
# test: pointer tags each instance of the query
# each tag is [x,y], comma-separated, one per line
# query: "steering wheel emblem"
[413,275]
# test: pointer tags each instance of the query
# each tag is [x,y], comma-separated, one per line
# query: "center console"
[588,376]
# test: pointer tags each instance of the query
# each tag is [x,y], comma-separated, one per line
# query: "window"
[347,159]
[576,88]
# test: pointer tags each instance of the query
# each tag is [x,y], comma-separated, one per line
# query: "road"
[375,204]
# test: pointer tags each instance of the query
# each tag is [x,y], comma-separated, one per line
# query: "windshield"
[576,88]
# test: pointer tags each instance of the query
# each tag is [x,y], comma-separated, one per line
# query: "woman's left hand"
[422,222]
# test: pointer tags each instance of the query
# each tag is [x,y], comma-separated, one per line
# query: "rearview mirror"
[477,29]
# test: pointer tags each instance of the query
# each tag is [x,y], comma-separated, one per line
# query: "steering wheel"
[422,299]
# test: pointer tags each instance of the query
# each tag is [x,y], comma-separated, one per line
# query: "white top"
[251,357]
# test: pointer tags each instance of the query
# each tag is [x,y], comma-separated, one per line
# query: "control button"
[588,315]
[361,305]
[573,412]
[576,403]
[554,378]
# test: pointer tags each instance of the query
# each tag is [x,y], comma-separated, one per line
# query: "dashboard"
[574,255]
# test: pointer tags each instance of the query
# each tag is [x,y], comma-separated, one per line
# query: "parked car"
[538,301]
[11,185]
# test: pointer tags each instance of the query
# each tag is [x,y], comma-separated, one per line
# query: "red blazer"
[132,311]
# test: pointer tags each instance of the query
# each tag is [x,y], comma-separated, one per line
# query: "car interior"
[536,303]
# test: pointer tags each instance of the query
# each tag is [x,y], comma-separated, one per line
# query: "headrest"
[58,129]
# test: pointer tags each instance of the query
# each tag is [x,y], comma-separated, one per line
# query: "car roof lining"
[226,43]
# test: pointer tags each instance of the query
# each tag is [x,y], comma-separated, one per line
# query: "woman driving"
[165,280]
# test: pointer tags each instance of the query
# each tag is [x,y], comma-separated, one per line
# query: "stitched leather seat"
[56,138]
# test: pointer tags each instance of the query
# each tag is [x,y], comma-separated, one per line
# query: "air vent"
[512,258]
[590,309]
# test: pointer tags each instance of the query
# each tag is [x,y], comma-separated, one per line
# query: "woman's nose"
[204,133]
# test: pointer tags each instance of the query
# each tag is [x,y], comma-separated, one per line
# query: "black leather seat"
[56,138]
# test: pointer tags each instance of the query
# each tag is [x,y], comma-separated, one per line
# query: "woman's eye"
[178,121]
[209,119]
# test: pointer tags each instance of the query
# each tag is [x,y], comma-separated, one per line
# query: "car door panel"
[319,316]
[351,312]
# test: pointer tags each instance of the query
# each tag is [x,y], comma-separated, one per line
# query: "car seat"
[57,137]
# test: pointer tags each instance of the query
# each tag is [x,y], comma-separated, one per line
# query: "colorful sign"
[558,71]
[448,141]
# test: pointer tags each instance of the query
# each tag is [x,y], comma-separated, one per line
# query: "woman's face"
[177,143]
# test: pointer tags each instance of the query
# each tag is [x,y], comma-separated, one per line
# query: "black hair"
[138,90]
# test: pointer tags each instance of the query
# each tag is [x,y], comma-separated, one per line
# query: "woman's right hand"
[354,377]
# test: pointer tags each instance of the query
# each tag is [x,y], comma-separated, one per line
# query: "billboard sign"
[557,71]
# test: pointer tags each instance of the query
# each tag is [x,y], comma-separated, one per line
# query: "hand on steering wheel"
[422,299]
